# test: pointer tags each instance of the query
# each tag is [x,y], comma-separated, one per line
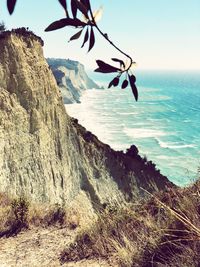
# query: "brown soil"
[39,248]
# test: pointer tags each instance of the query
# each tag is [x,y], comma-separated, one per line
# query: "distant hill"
[71,78]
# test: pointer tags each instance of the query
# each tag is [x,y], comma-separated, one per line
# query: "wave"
[150,89]
[127,113]
[165,131]
[173,145]
[143,133]
[155,98]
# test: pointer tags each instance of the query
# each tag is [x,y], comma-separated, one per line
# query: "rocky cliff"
[71,78]
[47,155]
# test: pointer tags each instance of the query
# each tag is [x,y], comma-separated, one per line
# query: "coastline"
[113,116]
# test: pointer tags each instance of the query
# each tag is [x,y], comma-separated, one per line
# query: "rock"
[46,155]
[71,78]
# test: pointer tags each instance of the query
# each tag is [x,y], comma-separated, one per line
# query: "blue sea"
[164,124]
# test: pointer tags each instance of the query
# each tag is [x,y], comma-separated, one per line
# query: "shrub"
[20,210]
[132,151]
[2,27]
[13,215]
[56,215]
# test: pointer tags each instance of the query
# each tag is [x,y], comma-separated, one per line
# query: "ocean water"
[164,124]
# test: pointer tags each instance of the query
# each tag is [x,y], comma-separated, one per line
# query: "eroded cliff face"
[45,154]
[71,78]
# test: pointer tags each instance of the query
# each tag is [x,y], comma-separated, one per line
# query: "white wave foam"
[173,145]
[127,113]
[149,89]
[143,133]
[156,98]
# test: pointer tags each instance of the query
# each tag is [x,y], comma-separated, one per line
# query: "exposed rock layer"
[71,78]
[45,154]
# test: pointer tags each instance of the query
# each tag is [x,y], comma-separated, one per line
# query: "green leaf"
[74,8]
[63,4]
[76,36]
[86,3]
[85,38]
[11,5]
[105,68]
[120,61]
[133,78]
[63,23]
[92,39]
[82,8]
[132,81]
[124,84]
[114,82]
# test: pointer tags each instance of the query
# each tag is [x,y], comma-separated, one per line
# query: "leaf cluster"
[130,79]
[84,7]
[87,24]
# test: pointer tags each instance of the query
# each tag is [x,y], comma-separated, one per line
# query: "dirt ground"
[40,248]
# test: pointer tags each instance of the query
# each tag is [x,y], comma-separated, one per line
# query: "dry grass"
[18,214]
[163,231]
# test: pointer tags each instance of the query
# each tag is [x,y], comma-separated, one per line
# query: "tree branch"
[105,36]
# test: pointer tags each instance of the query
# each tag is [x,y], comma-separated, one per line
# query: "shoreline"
[107,126]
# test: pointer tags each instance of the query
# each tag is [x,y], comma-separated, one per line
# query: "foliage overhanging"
[88,23]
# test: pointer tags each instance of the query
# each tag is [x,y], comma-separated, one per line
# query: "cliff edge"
[45,154]
[71,78]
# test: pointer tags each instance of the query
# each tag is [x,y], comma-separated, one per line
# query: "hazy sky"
[159,34]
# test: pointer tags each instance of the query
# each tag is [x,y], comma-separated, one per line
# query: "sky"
[158,34]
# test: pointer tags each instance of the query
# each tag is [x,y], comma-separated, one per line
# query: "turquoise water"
[164,124]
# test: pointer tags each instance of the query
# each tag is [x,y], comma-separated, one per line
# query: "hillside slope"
[46,155]
[71,78]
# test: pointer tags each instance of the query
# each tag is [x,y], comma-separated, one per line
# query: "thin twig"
[107,39]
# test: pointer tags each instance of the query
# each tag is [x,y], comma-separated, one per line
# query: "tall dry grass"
[163,231]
